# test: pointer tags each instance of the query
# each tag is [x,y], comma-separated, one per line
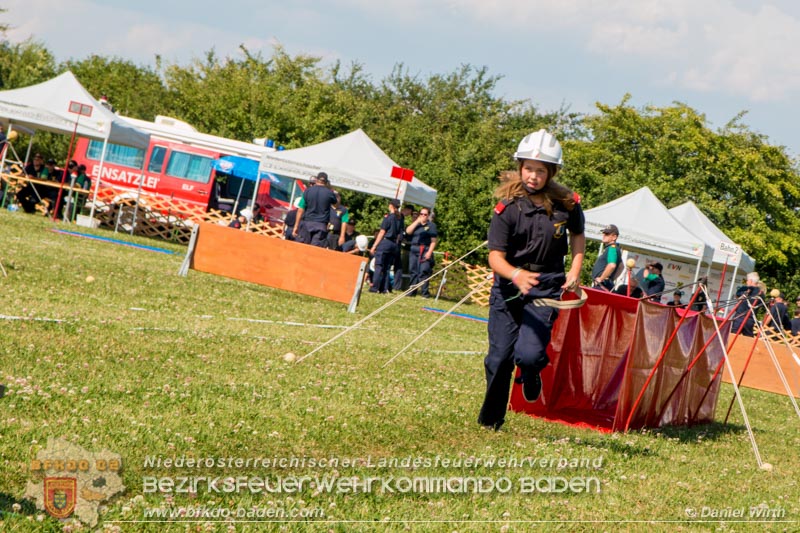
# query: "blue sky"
[720,57]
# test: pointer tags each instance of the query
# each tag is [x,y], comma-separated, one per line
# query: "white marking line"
[302,324]
[35,319]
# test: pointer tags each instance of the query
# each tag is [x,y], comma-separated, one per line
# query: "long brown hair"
[511,187]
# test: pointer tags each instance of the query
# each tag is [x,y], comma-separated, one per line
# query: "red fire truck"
[179,164]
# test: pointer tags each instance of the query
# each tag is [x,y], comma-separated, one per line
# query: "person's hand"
[427,256]
[372,251]
[525,280]
[572,282]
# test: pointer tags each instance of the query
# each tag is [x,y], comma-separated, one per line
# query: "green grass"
[147,363]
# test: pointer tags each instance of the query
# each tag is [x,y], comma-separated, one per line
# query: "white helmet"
[541,146]
[362,242]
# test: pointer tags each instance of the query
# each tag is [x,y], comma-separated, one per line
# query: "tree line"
[458,136]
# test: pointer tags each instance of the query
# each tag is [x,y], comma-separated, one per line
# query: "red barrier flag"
[405,174]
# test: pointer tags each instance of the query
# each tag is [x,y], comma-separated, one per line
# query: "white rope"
[733,382]
[388,304]
[284,323]
[418,337]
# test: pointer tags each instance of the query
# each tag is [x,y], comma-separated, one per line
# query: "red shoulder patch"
[576,197]
[500,207]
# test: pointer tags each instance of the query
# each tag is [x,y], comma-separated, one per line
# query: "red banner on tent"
[405,174]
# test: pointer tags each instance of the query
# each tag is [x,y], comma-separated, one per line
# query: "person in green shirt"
[609,263]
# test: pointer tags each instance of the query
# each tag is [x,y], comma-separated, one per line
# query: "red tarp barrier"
[602,354]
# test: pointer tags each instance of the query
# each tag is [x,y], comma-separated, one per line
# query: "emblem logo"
[60,496]
[560,229]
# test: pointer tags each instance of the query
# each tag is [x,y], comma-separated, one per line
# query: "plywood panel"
[761,373]
[277,263]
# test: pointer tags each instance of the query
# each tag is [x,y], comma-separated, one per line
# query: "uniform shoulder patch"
[576,197]
[500,206]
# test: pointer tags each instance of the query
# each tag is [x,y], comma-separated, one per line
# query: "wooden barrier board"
[276,263]
[761,373]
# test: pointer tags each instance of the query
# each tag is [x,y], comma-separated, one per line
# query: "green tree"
[25,63]
[284,98]
[135,91]
[744,185]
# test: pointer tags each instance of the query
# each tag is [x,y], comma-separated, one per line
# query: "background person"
[636,291]
[535,224]
[385,248]
[402,258]
[51,173]
[290,221]
[676,299]
[743,321]
[28,196]
[314,216]
[609,263]
[653,283]
[795,323]
[336,224]
[423,236]
[777,316]
[350,235]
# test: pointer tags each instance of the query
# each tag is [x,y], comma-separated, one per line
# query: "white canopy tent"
[63,105]
[646,225]
[726,252]
[46,106]
[352,161]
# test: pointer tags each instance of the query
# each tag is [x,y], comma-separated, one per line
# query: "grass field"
[149,365]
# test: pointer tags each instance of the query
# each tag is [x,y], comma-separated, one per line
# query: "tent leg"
[362,272]
[187,261]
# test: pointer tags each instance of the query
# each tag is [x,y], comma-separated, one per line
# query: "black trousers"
[519,333]
[419,268]
[385,255]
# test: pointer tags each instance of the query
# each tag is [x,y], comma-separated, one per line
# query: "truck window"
[157,159]
[281,187]
[126,156]
[192,167]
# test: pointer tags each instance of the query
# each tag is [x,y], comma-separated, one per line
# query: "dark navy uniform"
[654,285]
[339,215]
[519,332]
[742,317]
[420,244]
[288,232]
[319,200]
[401,259]
[780,316]
[386,252]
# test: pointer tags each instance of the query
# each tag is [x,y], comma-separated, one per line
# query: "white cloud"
[702,45]
[734,47]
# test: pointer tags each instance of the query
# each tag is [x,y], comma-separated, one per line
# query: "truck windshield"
[125,156]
